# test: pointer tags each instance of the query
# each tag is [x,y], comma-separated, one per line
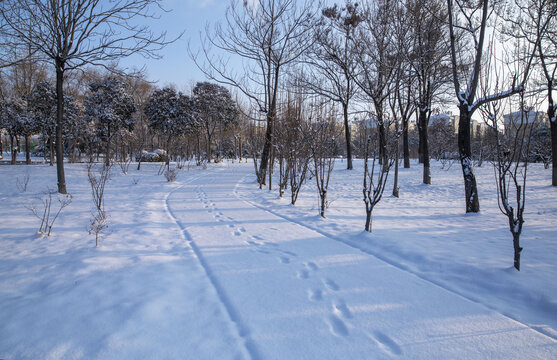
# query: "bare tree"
[375,179]
[333,63]
[376,60]
[510,168]
[536,22]
[48,215]
[428,55]
[98,177]
[323,149]
[267,36]
[468,22]
[74,33]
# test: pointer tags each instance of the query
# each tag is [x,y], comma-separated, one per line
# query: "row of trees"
[102,117]
[389,60]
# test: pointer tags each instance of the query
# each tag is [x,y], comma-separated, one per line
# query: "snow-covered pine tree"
[169,114]
[214,109]
[109,107]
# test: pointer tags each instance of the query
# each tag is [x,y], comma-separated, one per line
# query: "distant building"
[447,119]
[477,128]
[524,119]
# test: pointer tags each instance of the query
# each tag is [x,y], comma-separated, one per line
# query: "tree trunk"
[59,119]
[323,197]
[517,250]
[28,149]
[420,145]
[423,129]
[107,149]
[266,150]
[383,144]
[553,128]
[208,147]
[348,138]
[51,149]
[368,221]
[405,144]
[14,150]
[240,147]
[465,153]
[395,185]
[271,164]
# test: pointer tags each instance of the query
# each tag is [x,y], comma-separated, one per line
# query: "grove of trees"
[315,83]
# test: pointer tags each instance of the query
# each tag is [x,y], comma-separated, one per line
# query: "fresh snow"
[211,267]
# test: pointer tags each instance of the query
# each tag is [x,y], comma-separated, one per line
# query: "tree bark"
[553,128]
[14,151]
[59,119]
[264,163]
[425,146]
[368,221]
[107,149]
[348,138]
[405,144]
[51,149]
[28,149]
[517,250]
[323,196]
[465,153]
[395,185]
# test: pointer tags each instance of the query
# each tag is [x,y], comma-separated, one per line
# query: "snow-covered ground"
[211,267]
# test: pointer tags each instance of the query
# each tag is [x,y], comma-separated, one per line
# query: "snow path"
[229,309]
[141,295]
[292,292]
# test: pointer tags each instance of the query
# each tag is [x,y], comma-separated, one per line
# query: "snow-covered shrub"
[170,175]
[158,155]
[46,213]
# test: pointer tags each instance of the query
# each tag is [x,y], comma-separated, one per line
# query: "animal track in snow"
[284,260]
[315,294]
[337,326]
[331,285]
[341,310]
[290,253]
[311,266]
[385,343]
[303,274]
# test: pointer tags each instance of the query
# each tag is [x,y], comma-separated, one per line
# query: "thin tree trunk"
[405,144]
[271,163]
[423,128]
[395,185]
[517,250]
[348,138]
[464,149]
[266,150]
[107,150]
[14,150]
[59,119]
[553,128]
[208,147]
[368,221]
[28,149]
[51,147]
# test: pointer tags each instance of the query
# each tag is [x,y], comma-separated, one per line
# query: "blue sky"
[190,17]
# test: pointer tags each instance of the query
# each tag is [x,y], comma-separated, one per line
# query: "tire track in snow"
[242,331]
[383,259]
